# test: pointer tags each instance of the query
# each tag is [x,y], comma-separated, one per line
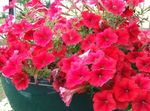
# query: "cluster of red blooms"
[81,52]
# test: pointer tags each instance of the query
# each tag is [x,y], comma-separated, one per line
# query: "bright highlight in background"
[3,3]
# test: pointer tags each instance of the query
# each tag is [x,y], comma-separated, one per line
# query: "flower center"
[45,37]
[71,38]
[143,101]
[126,90]
[145,64]
[114,7]
[22,79]
[99,75]
[106,38]
[91,20]
[80,77]
[106,101]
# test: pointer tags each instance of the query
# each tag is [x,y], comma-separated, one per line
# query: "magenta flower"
[43,59]
[21,81]
[114,6]
[90,19]
[77,76]
[42,36]
[71,38]
[12,67]
[99,77]
[142,102]
[106,39]
[125,90]
[104,101]
[143,64]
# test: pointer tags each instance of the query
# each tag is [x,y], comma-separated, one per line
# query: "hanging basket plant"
[80,46]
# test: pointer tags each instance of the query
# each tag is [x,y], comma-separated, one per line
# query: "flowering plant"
[80,46]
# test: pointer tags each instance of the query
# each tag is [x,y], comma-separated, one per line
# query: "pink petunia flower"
[91,2]
[71,38]
[65,63]
[105,64]
[42,36]
[21,81]
[106,39]
[66,95]
[94,57]
[104,101]
[78,75]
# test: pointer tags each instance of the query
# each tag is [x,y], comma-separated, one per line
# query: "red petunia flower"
[42,36]
[114,6]
[115,53]
[132,56]
[142,102]
[90,20]
[123,36]
[104,101]
[71,38]
[88,42]
[128,12]
[59,52]
[12,67]
[22,27]
[142,81]
[134,2]
[121,105]
[43,59]
[134,31]
[21,81]
[12,38]
[124,70]
[125,90]
[106,39]
[143,64]
[29,35]
[99,77]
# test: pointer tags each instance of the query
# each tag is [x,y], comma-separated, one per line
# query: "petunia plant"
[79,46]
